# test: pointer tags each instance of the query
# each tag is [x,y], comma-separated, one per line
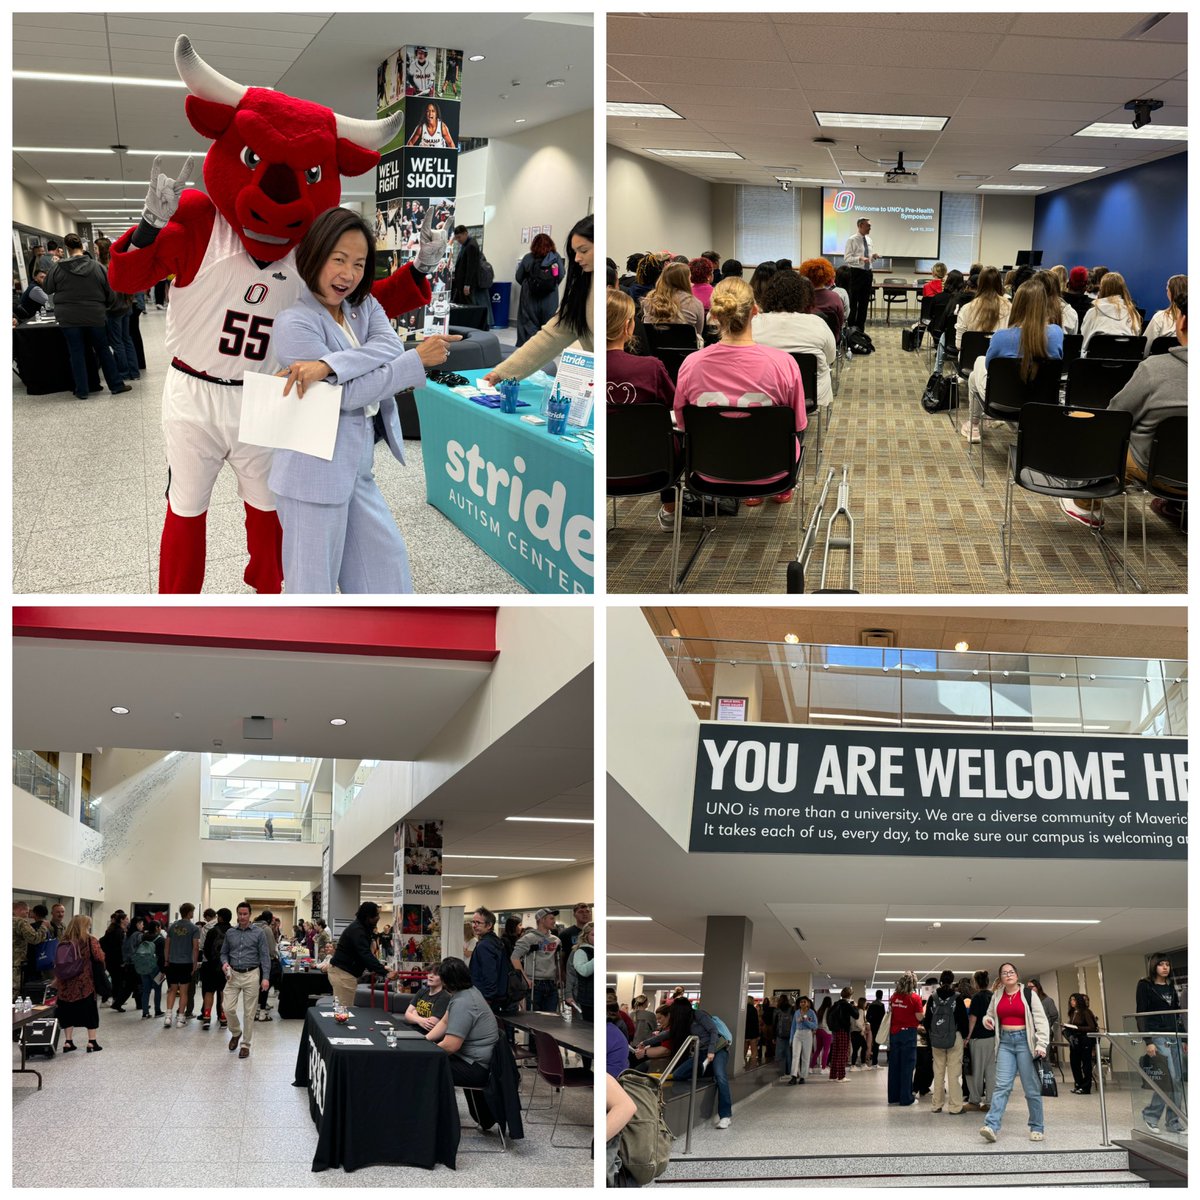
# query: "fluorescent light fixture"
[615,109]
[906,954]
[460,875]
[797,179]
[864,174]
[556,83]
[1063,168]
[507,858]
[129,80]
[110,182]
[121,712]
[693,153]
[843,120]
[989,921]
[1011,187]
[556,820]
[60,150]
[1158,133]
[674,974]
[859,717]
[519,121]
[476,57]
[655,954]
[629,918]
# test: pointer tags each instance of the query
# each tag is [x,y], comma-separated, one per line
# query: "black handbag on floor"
[938,393]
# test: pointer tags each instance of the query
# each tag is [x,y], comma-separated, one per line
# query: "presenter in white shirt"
[858,256]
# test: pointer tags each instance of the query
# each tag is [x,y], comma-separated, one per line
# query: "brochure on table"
[577,382]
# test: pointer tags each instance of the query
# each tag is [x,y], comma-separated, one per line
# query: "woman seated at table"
[736,373]
[1031,337]
[819,272]
[429,1004]
[337,527]
[572,323]
[672,302]
[1112,311]
[468,1033]
[788,321]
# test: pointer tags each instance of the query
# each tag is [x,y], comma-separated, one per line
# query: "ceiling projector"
[898,174]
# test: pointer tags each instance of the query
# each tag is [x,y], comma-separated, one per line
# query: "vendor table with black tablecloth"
[41,359]
[373,1105]
[472,315]
[540,530]
[297,989]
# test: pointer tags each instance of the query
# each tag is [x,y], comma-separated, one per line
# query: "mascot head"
[275,161]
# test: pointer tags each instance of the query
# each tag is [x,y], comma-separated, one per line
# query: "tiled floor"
[88,483]
[180,1111]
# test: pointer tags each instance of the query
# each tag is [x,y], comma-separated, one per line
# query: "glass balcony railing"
[221,825]
[939,689]
[89,811]
[1148,1063]
[36,776]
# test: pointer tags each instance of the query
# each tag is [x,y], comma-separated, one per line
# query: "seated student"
[730,268]
[29,302]
[649,268]
[761,277]
[714,261]
[702,272]
[783,264]
[1021,275]
[935,285]
[944,310]
[1095,275]
[1157,390]
[1061,313]
[429,1005]
[337,528]
[1112,311]
[630,277]
[1075,293]
[1163,323]
[735,373]
[672,302]
[1031,336]
[788,321]
[841,286]
[468,1032]
[985,312]
[826,302]
[637,379]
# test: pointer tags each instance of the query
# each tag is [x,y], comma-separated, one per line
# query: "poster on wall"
[418,899]
[150,910]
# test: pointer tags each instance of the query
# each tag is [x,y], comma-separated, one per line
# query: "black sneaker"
[121,390]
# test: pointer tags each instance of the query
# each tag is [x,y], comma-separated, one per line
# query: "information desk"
[297,990]
[41,359]
[575,1035]
[523,496]
[372,1105]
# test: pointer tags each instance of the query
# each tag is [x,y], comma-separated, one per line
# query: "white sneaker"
[167,1021]
[724,1122]
[180,1022]
[987,1133]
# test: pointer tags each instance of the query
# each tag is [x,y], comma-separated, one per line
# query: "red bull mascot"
[273,168]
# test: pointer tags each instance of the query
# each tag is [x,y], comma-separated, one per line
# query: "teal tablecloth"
[525,497]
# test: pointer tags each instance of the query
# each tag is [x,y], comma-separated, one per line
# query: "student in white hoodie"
[1163,323]
[1112,311]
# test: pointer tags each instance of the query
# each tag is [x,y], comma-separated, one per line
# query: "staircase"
[1066,1168]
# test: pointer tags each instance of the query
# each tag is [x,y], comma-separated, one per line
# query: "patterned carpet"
[922,522]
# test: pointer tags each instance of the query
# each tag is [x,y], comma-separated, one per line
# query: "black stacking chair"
[808,376]
[1167,477]
[1161,345]
[1093,382]
[1116,345]
[1006,394]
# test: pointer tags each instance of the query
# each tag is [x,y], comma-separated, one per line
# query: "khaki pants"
[983,1069]
[242,986]
[344,986]
[947,1076]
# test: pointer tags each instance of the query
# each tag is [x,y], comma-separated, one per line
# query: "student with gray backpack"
[148,963]
[945,1022]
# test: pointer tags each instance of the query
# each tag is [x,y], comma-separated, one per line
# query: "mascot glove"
[433,246]
[163,197]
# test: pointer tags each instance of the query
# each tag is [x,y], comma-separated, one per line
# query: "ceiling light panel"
[657,111]
[841,120]
[693,153]
[1157,133]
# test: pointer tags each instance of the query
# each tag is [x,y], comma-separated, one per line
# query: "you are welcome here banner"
[769,789]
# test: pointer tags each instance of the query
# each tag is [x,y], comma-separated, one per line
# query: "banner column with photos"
[418,171]
[417,893]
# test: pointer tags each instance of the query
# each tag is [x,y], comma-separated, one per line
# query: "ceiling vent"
[876,637]
[258,729]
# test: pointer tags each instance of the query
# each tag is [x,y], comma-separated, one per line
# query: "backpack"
[68,962]
[487,273]
[645,1146]
[722,1029]
[942,1030]
[541,280]
[145,960]
[910,339]
[939,393]
[213,943]
[858,342]
[839,1018]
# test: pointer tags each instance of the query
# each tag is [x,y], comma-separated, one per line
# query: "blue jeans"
[1168,1051]
[545,995]
[77,337]
[941,354]
[783,1053]
[902,1059]
[720,1076]
[1014,1057]
[123,349]
[148,987]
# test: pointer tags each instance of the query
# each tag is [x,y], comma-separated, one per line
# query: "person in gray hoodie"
[82,298]
[1157,390]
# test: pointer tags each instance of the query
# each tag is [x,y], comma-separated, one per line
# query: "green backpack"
[145,960]
[645,1149]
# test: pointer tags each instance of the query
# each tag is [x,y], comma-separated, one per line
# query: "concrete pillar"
[453,931]
[739,680]
[723,986]
[342,902]
[627,987]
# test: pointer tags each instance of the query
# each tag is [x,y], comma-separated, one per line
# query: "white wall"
[52,852]
[472,188]
[31,210]
[566,886]
[1005,228]
[653,207]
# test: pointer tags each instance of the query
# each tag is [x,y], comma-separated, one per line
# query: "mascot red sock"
[181,553]
[264,538]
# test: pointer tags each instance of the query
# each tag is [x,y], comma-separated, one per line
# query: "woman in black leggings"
[1081,1022]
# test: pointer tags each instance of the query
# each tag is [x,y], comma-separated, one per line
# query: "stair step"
[1055,1179]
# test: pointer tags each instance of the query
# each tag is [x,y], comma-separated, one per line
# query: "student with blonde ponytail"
[1112,311]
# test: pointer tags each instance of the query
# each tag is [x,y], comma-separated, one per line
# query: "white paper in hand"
[305,423]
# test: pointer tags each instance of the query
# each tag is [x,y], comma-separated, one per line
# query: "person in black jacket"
[467,286]
[353,955]
[946,1023]
[489,963]
[876,1011]
[113,943]
[82,298]
[1159,1018]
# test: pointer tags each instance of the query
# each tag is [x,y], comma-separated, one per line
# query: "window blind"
[766,224]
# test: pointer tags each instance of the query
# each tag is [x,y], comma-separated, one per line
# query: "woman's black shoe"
[68,1046]
[94,1045]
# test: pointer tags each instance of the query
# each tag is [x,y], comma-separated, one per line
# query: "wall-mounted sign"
[769,789]
[731,708]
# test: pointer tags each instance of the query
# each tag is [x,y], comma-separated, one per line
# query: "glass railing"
[939,689]
[89,811]
[365,767]
[221,826]
[1144,1091]
[36,776]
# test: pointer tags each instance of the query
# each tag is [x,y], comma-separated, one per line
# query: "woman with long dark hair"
[539,273]
[1080,1023]
[572,323]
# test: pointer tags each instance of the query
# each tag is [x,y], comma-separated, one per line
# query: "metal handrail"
[691,1042]
[1113,1041]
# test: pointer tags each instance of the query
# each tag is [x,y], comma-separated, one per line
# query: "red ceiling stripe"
[464,634]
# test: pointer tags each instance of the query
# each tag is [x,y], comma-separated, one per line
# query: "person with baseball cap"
[536,956]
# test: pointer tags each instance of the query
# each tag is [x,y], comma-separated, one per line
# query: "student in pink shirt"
[702,272]
[737,373]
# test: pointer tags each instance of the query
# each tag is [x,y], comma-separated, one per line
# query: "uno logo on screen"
[316,1075]
[843,202]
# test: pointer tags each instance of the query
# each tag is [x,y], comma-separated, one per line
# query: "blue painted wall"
[1134,222]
